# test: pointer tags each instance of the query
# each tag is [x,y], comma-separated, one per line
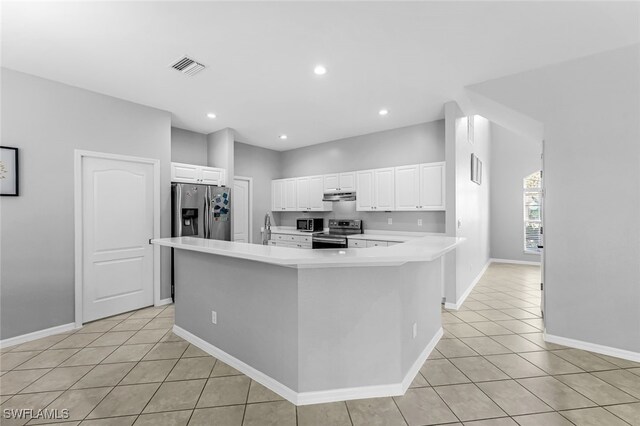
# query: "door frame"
[250,205]
[79,155]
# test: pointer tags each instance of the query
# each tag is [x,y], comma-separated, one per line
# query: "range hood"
[339,196]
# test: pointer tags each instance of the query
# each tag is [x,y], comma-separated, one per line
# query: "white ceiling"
[407,57]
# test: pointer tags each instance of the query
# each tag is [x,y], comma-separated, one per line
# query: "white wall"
[47,121]
[188,147]
[590,109]
[513,157]
[472,204]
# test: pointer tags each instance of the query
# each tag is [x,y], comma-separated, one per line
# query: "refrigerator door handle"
[205,216]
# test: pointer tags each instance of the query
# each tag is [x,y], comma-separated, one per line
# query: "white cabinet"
[316,193]
[357,243]
[290,203]
[371,243]
[302,194]
[408,187]
[283,195]
[213,176]
[365,191]
[432,178]
[420,187]
[191,173]
[292,241]
[343,182]
[384,189]
[277,195]
[375,190]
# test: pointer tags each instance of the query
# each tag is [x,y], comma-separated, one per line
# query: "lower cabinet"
[292,241]
[371,243]
[358,243]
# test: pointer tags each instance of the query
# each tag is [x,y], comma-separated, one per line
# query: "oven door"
[329,243]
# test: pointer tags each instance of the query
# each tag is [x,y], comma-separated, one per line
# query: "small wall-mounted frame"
[476,169]
[9,177]
[470,128]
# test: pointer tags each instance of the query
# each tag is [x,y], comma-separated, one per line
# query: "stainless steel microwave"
[310,225]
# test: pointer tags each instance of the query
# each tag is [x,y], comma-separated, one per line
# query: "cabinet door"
[407,187]
[212,176]
[365,194]
[302,194]
[347,182]
[277,195]
[384,184]
[331,182]
[290,195]
[432,189]
[185,173]
[371,243]
[316,193]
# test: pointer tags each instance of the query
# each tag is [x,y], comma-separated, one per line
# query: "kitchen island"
[313,325]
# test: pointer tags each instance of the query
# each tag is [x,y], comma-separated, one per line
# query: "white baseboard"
[318,397]
[516,262]
[163,302]
[12,341]
[417,365]
[458,304]
[592,347]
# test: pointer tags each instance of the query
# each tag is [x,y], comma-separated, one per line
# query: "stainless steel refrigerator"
[202,211]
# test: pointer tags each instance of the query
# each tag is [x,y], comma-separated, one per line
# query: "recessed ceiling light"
[320,70]
[283,137]
[211,115]
[383,112]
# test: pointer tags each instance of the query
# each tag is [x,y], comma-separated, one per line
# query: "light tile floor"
[492,367]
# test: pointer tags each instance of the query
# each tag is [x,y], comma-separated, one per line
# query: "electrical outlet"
[419,222]
[390,221]
[214,317]
[415,330]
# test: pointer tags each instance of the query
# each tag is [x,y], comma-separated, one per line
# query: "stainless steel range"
[339,229]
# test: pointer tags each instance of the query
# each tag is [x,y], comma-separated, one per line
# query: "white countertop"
[424,249]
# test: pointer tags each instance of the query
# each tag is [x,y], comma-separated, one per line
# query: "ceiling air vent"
[187,66]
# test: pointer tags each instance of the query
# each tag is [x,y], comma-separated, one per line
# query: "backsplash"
[402,221]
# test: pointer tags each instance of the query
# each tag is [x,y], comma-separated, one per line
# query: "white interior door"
[117,223]
[241,219]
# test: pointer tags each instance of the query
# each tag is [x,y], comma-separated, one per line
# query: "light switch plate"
[390,221]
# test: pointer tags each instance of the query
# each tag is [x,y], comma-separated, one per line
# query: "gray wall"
[188,147]
[263,165]
[590,109]
[513,157]
[47,121]
[421,143]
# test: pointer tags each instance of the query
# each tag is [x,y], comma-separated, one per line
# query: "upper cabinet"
[191,173]
[420,187]
[432,178]
[277,195]
[404,188]
[298,195]
[343,182]
[375,190]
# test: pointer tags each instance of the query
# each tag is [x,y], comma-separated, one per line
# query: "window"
[532,196]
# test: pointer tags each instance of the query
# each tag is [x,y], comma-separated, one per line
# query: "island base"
[312,335]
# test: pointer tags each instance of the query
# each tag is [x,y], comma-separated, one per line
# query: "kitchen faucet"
[266,234]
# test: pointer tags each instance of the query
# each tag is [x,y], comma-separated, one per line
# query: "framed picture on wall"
[9,171]
[476,169]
